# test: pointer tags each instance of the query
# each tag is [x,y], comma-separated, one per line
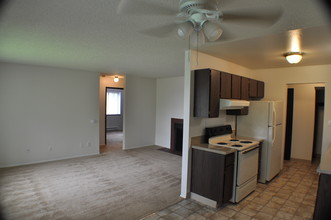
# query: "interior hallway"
[114,140]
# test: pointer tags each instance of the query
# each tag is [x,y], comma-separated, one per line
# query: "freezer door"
[274,152]
[276,113]
[255,124]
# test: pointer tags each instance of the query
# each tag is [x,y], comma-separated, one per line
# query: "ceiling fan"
[199,19]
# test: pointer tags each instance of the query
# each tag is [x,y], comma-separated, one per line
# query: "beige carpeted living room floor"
[116,185]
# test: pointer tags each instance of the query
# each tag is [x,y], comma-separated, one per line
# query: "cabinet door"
[235,87]
[260,89]
[225,91]
[252,88]
[228,183]
[201,92]
[214,106]
[207,174]
[244,88]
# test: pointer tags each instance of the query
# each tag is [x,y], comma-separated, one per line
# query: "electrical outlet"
[81,145]
[50,148]
[88,144]
[27,150]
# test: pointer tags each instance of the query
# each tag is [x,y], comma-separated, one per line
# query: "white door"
[274,152]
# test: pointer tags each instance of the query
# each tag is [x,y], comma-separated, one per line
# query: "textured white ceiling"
[89,35]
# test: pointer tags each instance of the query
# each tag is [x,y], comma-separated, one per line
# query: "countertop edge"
[217,151]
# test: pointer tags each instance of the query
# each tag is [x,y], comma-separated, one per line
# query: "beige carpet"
[118,185]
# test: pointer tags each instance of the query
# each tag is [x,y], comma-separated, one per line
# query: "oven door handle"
[248,150]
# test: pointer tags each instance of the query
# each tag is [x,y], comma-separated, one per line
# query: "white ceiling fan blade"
[143,7]
[261,16]
[161,31]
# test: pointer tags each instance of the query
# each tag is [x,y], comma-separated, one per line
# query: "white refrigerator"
[264,121]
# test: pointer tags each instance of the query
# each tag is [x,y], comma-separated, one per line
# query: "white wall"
[106,81]
[276,81]
[303,120]
[46,114]
[195,126]
[169,104]
[139,112]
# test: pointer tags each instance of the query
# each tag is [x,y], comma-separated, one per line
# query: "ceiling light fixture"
[116,79]
[294,46]
[210,30]
[293,57]
[199,27]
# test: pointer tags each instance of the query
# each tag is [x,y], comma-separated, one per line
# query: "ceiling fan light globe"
[184,30]
[197,38]
[212,31]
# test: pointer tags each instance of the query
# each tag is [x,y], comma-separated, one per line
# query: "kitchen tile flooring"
[291,195]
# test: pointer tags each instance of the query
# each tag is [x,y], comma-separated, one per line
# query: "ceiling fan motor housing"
[192,6]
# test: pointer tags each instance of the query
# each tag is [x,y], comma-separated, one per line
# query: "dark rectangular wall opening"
[176,144]
[319,118]
[289,124]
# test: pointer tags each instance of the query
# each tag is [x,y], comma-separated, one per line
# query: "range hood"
[226,104]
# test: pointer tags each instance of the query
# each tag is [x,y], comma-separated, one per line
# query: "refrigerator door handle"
[273,135]
[274,117]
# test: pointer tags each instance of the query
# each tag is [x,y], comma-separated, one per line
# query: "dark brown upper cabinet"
[225,91]
[260,89]
[206,93]
[244,88]
[256,89]
[235,87]
[252,89]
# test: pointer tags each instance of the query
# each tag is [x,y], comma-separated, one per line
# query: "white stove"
[246,159]
[228,141]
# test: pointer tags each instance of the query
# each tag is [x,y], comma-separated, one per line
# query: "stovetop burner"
[234,140]
[222,143]
[236,145]
[246,142]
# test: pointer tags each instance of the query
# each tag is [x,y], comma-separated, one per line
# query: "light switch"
[329,123]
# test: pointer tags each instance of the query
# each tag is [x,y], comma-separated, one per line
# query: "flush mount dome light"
[293,57]
[116,79]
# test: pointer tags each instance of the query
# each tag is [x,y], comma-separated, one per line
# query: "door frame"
[106,109]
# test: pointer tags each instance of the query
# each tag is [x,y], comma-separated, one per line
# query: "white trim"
[203,200]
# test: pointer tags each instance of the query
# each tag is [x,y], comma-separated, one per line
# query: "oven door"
[247,164]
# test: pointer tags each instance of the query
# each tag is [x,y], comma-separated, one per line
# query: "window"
[114,101]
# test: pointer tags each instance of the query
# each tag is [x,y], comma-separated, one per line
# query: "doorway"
[304,121]
[113,119]
[318,128]
[111,131]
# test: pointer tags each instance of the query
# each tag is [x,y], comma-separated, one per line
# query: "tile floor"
[291,195]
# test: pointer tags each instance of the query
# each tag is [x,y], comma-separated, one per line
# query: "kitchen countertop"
[197,143]
[325,165]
